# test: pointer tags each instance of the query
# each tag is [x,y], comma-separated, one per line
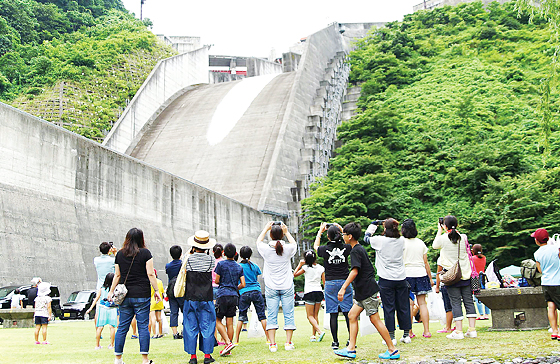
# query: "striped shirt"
[199,277]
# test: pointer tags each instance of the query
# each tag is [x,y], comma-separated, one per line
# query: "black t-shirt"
[31,295]
[364,284]
[138,283]
[335,257]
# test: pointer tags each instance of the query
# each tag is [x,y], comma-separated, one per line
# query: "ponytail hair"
[218,250]
[391,228]
[477,250]
[310,257]
[450,223]
[335,235]
[279,247]
[245,253]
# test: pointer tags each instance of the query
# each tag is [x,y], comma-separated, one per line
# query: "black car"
[7,292]
[77,305]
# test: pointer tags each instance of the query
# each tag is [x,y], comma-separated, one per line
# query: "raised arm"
[298,270]
[320,232]
[287,234]
[263,233]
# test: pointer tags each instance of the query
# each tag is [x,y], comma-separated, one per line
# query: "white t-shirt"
[413,255]
[389,261]
[16,298]
[42,306]
[277,270]
[448,255]
[313,278]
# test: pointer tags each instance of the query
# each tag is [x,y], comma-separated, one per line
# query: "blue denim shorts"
[419,285]
[331,297]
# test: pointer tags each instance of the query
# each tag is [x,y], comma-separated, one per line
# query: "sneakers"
[334,345]
[457,335]
[209,360]
[98,347]
[273,348]
[134,337]
[345,353]
[312,339]
[406,340]
[394,342]
[39,343]
[471,334]
[320,338]
[388,355]
[229,347]
[177,336]
[289,346]
[110,347]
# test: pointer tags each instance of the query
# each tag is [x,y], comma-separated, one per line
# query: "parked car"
[7,292]
[77,304]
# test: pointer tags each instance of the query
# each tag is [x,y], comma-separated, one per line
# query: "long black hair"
[450,222]
[108,280]
[310,257]
[133,242]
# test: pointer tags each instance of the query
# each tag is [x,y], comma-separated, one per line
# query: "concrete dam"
[187,154]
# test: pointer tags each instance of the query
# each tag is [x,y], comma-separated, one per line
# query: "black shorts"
[552,294]
[40,320]
[314,297]
[226,306]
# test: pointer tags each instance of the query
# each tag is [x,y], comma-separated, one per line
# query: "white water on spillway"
[232,107]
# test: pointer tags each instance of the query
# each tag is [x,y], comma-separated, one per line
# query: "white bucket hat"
[43,289]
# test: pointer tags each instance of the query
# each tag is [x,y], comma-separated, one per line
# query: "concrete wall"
[181,44]
[168,77]
[61,195]
[259,67]
[220,77]
[283,171]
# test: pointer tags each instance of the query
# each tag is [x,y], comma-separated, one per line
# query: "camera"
[441,221]
[378,222]
[111,243]
[328,225]
[277,223]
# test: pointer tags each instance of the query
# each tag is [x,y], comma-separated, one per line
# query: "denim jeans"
[175,304]
[199,324]
[273,299]
[482,310]
[128,309]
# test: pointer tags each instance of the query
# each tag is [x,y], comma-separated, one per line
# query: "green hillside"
[74,63]
[451,122]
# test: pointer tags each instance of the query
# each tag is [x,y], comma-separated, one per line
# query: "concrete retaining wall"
[168,77]
[319,49]
[259,67]
[61,195]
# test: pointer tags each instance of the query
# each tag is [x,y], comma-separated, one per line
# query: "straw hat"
[201,239]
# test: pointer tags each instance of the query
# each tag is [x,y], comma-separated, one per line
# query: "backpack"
[171,287]
[530,273]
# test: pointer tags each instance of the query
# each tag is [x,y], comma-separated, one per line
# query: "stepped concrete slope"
[61,195]
[261,141]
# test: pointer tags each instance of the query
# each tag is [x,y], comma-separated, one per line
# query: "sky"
[257,28]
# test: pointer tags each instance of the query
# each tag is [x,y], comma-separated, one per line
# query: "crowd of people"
[217,287]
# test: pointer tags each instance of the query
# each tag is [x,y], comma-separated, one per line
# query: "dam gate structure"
[187,155]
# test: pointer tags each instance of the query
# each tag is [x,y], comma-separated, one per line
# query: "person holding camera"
[278,280]
[453,248]
[335,258]
[105,263]
[393,287]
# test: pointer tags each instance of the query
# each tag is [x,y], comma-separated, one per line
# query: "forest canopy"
[451,121]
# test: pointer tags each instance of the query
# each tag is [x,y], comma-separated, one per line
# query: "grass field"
[74,341]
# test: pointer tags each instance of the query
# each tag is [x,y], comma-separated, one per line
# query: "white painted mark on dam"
[233,106]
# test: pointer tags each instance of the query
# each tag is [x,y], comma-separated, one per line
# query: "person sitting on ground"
[175,303]
[548,264]
[199,318]
[156,307]
[393,285]
[251,293]
[335,258]
[43,311]
[418,273]
[479,261]
[230,279]
[278,281]
[313,293]
[454,247]
[32,292]
[17,299]
[362,276]
[106,312]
